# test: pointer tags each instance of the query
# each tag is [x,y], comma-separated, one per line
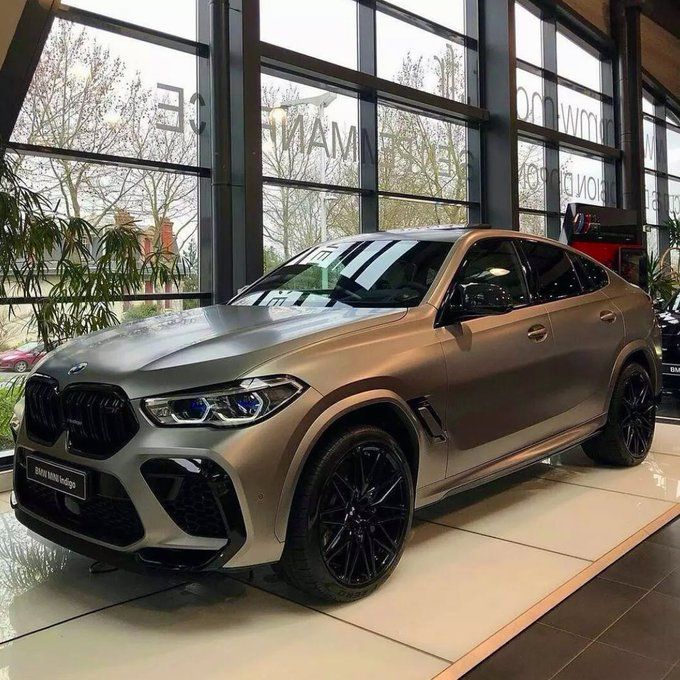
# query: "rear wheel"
[350,517]
[628,435]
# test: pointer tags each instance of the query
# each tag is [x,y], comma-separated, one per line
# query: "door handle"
[607,316]
[537,333]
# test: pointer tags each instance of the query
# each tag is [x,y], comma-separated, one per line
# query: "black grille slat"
[43,410]
[98,418]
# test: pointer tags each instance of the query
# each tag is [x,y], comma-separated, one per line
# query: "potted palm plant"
[68,273]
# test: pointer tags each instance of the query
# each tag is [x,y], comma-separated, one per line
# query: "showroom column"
[21,60]
[625,19]
[500,193]
[245,104]
[236,143]
[221,151]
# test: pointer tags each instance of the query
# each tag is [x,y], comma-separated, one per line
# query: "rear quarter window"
[552,273]
[593,276]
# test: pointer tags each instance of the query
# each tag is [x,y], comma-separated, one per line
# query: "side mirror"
[659,304]
[472,300]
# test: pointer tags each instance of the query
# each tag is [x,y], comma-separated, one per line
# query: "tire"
[21,366]
[350,517]
[627,436]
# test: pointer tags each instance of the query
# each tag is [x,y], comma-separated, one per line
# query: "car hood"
[204,346]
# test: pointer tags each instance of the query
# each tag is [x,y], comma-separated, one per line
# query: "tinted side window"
[593,276]
[495,261]
[553,274]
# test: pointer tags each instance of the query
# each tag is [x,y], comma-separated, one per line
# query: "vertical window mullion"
[551,120]
[473,135]
[204,107]
[662,190]
[368,119]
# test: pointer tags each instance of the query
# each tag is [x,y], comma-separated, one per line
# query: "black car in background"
[669,320]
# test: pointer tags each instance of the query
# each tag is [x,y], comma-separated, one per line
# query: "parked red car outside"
[21,358]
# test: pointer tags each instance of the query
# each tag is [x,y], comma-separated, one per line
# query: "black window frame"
[533,275]
[556,19]
[577,258]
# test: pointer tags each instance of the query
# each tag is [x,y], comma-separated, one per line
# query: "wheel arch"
[382,408]
[635,352]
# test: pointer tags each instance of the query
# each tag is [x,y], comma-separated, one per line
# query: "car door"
[588,329]
[499,367]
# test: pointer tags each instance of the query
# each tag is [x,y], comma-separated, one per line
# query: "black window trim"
[523,272]
[558,246]
[574,257]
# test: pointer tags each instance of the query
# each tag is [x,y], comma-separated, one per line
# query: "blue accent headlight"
[230,406]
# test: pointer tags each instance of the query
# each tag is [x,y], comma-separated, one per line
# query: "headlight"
[229,406]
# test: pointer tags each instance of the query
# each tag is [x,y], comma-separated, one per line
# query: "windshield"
[379,273]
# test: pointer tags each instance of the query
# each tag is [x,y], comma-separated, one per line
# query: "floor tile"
[41,584]
[644,566]
[453,590]
[671,585]
[666,439]
[593,608]
[217,630]
[657,477]
[602,661]
[650,628]
[669,535]
[536,654]
[5,508]
[4,497]
[574,520]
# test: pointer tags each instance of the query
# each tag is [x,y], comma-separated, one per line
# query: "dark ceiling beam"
[666,13]
[22,59]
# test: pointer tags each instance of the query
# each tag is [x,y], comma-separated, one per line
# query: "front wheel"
[627,436]
[350,517]
[21,366]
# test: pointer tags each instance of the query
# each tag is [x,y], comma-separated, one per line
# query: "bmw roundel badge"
[77,368]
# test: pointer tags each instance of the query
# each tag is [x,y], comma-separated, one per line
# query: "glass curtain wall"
[372,129]
[114,130]
[661,129]
[567,135]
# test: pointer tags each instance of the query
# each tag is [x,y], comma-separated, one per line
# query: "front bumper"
[255,459]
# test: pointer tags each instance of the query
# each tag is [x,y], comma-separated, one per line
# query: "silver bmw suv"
[303,423]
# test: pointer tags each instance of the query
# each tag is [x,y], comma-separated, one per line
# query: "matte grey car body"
[467,400]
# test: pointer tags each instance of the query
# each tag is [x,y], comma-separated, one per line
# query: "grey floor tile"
[599,662]
[593,608]
[651,628]
[644,566]
[536,654]
[669,535]
[671,584]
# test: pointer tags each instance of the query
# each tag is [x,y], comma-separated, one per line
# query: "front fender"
[335,410]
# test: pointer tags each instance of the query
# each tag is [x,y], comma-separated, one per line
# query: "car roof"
[448,233]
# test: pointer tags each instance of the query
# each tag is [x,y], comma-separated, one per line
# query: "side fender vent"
[428,418]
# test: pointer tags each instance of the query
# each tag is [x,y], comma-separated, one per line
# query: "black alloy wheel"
[364,514]
[627,436]
[351,515]
[637,416]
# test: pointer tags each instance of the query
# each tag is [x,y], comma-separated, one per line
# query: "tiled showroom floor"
[478,569]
